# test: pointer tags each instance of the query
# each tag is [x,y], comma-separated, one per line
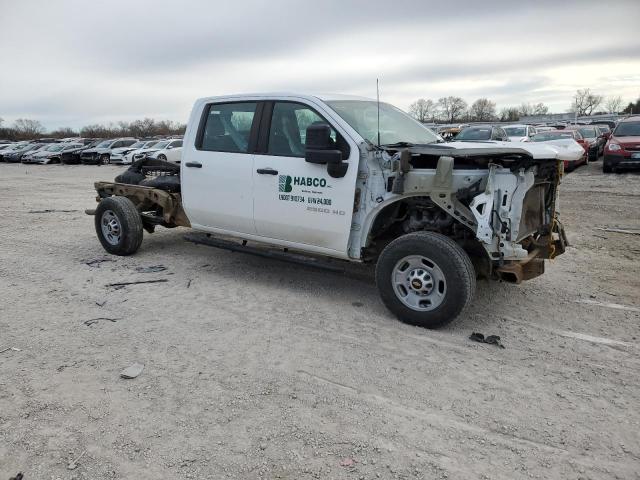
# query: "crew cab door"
[217,168]
[297,201]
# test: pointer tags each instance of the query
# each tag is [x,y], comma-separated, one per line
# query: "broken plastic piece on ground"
[132,371]
[92,321]
[490,339]
[19,476]
[151,269]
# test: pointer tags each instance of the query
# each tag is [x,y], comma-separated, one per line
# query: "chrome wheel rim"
[419,283]
[111,229]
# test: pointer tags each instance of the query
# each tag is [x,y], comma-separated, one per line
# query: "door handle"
[193,165]
[267,171]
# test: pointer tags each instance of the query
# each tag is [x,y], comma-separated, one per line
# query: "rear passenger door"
[296,201]
[217,176]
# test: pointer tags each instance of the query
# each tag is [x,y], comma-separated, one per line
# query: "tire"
[433,259]
[606,168]
[125,235]
[105,159]
[162,157]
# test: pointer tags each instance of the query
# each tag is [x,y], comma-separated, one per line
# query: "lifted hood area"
[482,154]
[558,150]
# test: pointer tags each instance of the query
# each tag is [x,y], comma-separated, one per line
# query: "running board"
[282,255]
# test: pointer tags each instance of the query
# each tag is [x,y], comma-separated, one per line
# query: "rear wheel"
[425,279]
[118,225]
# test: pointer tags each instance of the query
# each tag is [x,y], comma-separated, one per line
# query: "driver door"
[294,200]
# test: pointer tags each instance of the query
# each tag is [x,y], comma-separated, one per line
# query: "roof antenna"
[378,97]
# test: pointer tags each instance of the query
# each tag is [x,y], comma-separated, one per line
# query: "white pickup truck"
[352,179]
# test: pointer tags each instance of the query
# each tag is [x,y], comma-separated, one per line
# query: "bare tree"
[452,107]
[423,110]
[585,102]
[482,110]
[26,128]
[64,132]
[613,104]
[510,114]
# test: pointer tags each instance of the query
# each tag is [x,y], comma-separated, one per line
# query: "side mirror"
[320,149]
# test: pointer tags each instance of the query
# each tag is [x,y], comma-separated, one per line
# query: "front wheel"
[105,159]
[425,279]
[162,157]
[118,225]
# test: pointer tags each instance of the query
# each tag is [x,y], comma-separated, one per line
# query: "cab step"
[282,255]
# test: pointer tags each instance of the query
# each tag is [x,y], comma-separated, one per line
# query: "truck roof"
[266,95]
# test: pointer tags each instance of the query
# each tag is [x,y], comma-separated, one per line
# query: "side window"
[288,132]
[227,127]
[128,143]
[177,143]
[117,144]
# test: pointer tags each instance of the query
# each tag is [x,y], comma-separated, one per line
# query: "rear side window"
[177,143]
[227,127]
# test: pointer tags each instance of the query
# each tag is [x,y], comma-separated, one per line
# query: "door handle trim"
[267,171]
[193,165]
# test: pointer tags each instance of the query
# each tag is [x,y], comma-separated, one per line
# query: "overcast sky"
[72,63]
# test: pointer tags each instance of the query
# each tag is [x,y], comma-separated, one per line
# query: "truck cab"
[357,180]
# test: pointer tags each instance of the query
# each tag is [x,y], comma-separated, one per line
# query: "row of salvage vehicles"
[91,151]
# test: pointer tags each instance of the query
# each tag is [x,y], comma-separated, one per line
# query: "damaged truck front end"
[498,203]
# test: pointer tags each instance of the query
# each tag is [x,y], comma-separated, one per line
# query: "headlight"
[614,147]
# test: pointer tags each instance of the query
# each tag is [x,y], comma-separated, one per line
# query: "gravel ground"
[256,368]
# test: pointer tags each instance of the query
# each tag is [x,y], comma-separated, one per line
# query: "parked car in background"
[603,135]
[553,136]
[43,154]
[101,153]
[119,155]
[54,153]
[15,156]
[520,133]
[591,134]
[171,152]
[4,146]
[29,156]
[147,150]
[623,147]
[482,133]
[72,157]
[12,148]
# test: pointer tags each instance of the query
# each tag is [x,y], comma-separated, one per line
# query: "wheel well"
[415,214]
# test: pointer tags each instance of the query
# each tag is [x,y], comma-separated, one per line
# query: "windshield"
[55,148]
[104,144]
[627,130]
[474,134]
[151,144]
[588,132]
[161,144]
[543,137]
[137,145]
[395,125]
[516,131]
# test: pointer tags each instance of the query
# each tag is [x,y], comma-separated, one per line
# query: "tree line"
[28,129]
[456,109]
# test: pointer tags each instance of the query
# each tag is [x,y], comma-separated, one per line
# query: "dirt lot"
[260,369]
